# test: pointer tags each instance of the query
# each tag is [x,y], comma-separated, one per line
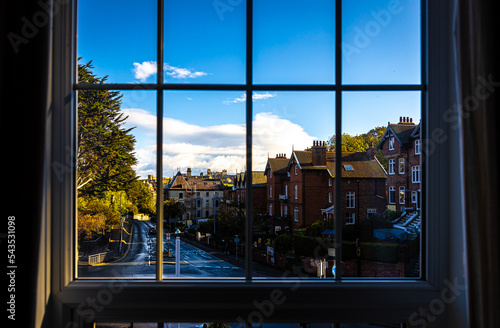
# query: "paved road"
[140,260]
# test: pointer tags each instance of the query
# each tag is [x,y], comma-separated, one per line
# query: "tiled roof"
[278,165]
[363,166]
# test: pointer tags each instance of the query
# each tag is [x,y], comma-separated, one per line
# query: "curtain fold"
[479,90]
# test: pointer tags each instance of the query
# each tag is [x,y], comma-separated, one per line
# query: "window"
[401,166]
[330,182]
[350,197]
[402,195]
[296,214]
[286,191]
[207,203]
[392,195]
[418,147]
[207,194]
[371,211]
[329,196]
[339,90]
[348,168]
[270,209]
[295,169]
[391,143]
[350,218]
[285,210]
[181,195]
[296,193]
[415,174]
[391,165]
[270,191]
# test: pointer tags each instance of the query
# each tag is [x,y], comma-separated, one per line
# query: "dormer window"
[391,143]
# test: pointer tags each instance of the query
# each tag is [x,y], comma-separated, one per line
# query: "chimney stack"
[370,151]
[318,152]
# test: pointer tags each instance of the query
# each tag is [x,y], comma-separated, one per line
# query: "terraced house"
[300,189]
[401,145]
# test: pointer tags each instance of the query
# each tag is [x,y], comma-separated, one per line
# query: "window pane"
[204,147]
[291,130]
[382,225]
[120,40]
[204,42]
[116,182]
[381,41]
[294,42]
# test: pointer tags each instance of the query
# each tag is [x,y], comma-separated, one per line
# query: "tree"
[105,148]
[349,143]
[173,208]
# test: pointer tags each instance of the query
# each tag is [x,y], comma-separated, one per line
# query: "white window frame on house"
[350,199]
[296,214]
[392,195]
[295,191]
[391,164]
[270,191]
[401,195]
[325,300]
[418,146]
[391,143]
[350,218]
[271,209]
[330,199]
[401,165]
[415,174]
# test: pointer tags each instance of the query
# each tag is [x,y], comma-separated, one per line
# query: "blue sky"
[293,43]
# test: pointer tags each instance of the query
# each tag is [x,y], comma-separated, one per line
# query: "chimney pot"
[411,120]
[400,119]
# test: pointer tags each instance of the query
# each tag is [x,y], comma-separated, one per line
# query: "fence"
[97,258]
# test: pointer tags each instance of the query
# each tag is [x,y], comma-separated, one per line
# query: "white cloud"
[148,68]
[144,70]
[213,147]
[181,73]
[255,96]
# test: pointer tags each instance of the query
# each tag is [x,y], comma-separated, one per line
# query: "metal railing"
[97,258]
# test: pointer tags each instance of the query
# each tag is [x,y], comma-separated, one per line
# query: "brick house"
[236,196]
[401,145]
[303,190]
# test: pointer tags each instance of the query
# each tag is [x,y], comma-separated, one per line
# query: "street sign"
[334,270]
[236,240]
[177,231]
[168,236]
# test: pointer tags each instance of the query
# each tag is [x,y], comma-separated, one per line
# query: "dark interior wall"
[24,85]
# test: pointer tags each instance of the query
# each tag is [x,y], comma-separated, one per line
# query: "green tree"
[349,143]
[140,195]
[105,147]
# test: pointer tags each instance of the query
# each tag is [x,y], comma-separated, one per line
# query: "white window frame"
[391,142]
[350,197]
[391,165]
[330,199]
[350,218]
[415,174]
[295,191]
[418,146]
[401,166]
[270,191]
[405,296]
[401,191]
[392,191]
[296,214]
[271,209]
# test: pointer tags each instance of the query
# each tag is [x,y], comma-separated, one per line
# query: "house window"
[248,87]
[391,165]
[270,209]
[270,191]
[181,195]
[207,203]
[350,197]
[392,195]
[330,197]
[415,174]
[296,192]
[285,210]
[207,194]
[296,214]
[350,218]
[401,166]
[402,195]
[391,143]
[418,146]
[330,182]
[286,191]
[371,211]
